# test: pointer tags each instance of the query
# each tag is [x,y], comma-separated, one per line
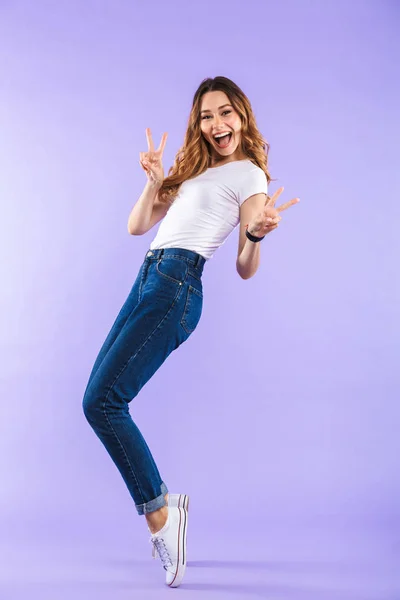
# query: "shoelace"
[154,550]
[159,545]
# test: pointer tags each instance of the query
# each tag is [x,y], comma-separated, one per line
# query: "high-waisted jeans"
[162,310]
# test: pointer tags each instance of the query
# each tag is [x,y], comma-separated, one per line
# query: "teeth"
[219,135]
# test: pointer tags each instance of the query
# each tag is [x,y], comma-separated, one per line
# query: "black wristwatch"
[253,238]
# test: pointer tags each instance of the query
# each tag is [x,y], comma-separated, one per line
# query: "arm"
[248,258]
[147,211]
[262,218]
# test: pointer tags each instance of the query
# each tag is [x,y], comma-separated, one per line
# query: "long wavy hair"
[194,157]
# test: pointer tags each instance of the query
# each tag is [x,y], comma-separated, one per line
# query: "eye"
[223,112]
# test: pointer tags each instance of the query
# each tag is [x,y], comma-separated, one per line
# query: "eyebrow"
[219,108]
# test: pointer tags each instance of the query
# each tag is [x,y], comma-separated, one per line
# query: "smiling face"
[217,117]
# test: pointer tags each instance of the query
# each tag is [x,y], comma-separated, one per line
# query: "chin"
[225,153]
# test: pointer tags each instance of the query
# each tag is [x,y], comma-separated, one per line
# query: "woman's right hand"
[151,161]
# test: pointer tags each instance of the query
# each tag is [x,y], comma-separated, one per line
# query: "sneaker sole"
[181,565]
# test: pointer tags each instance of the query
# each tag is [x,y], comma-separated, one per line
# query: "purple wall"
[288,392]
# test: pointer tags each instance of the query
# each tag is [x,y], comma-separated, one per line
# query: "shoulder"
[251,180]
[248,165]
[249,173]
[254,170]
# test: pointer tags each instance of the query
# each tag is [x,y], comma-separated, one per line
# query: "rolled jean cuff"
[155,504]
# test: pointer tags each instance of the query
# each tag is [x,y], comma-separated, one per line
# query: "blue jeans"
[162,310]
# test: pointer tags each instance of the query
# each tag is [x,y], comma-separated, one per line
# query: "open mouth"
[223,141]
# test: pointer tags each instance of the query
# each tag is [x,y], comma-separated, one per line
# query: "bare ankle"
[157,519]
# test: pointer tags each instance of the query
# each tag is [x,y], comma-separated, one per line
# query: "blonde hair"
[193,158]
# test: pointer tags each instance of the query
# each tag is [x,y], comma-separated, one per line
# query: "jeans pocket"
[193,307]
[172,269]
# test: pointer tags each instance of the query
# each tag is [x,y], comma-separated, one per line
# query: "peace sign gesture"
[151,161]
[269,218]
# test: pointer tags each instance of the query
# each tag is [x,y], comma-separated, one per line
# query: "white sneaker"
[170,543]
[180,500]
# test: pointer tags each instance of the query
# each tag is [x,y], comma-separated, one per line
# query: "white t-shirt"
[206,209]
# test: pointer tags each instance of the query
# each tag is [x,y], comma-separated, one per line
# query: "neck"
[217,161]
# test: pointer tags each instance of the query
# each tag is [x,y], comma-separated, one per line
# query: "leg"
[150,333]
[157,519]
[128,306]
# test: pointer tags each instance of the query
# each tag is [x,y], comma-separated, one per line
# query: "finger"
[162,143]
[272,224]
[145,164]
[275,220]
[144,158]
[149,137]
[270,212]
[288,204]
[268,221]
[267,224]
[266,230]
[274,198]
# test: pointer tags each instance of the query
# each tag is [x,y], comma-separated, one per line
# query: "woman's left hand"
[269,218]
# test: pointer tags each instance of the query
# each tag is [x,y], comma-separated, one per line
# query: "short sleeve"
[254,182]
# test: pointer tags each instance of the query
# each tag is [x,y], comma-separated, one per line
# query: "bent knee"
[92,405]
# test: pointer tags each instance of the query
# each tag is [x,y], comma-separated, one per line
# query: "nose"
[218,124]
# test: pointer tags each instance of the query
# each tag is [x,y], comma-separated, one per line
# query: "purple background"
[280,415]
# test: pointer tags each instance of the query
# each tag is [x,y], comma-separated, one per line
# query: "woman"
[219,180]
